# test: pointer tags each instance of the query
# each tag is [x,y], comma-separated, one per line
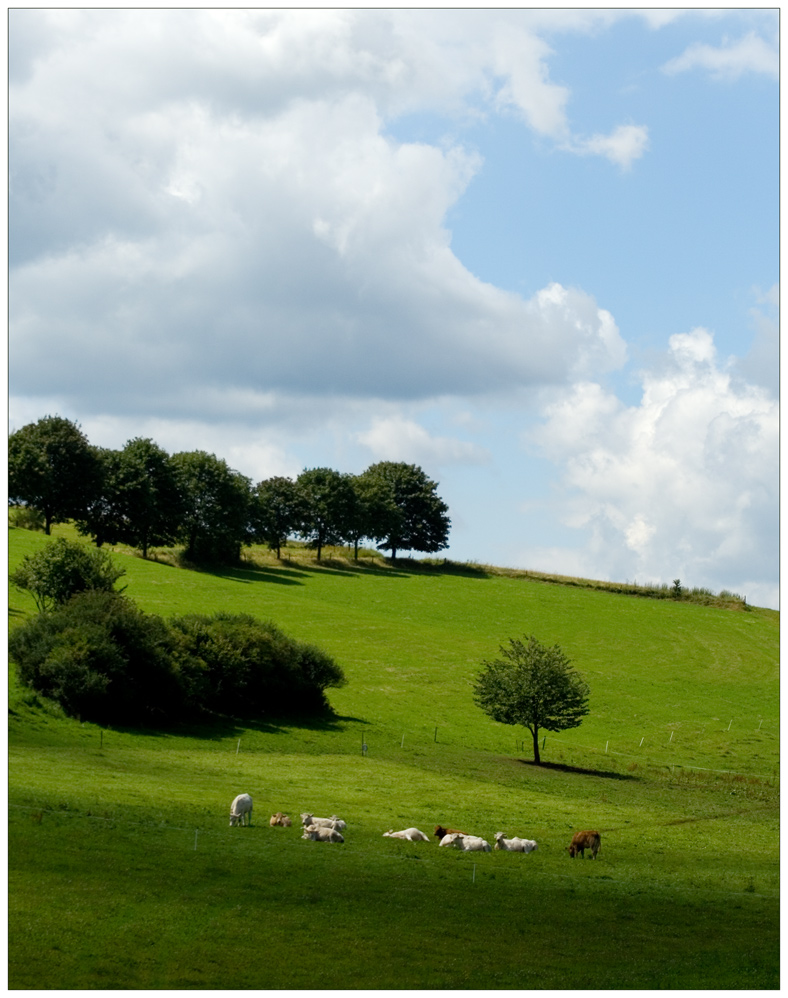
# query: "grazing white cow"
[468,843]
[515,844]
[410,834]
[319,833]
[332,822]
[241,810]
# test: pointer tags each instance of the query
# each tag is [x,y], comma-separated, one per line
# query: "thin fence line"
[704,769]
[627,755]
[536,873]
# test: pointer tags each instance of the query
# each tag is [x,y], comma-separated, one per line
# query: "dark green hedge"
[102,659]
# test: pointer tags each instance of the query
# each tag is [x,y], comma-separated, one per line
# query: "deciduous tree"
[62,569]
[217,508]
[410,513]
[277,511]
[53,468]
[534,686]
[328,506]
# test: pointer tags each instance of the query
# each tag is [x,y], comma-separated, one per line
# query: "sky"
[534,252]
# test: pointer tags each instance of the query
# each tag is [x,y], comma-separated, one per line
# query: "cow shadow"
[562,767]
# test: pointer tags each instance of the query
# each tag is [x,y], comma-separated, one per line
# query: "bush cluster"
[99,656]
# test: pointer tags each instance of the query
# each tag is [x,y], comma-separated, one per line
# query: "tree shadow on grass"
[578,770]
[217,729]
[254,573]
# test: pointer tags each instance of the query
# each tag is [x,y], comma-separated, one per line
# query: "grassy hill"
[676,765]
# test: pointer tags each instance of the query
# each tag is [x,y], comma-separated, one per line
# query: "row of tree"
[144,497]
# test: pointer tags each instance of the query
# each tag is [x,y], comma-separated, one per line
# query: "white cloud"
[623,146]
[273,249]
[520,57]
[398,439]
[750,54]
[237,214]
[682,485]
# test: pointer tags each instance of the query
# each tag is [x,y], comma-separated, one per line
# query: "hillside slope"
[676,765]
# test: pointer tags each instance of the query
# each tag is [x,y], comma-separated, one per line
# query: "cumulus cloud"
[398,439]
[302,251]
[750,54]
[623,146]
[684,484]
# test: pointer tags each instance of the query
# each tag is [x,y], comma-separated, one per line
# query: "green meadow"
[123,872]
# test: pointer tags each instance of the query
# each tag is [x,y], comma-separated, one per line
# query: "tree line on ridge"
[144,497]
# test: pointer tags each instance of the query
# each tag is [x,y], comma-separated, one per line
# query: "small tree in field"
[63,568]
[534,686]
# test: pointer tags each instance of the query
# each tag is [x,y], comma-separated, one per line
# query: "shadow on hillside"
[578,770]
[256,573]
[289,572]
[216,729]
[292,574]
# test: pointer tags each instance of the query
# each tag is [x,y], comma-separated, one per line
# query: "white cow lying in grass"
[319,833]
[468,843]
[241,810]
[515,844]
[410,834]
[332,822]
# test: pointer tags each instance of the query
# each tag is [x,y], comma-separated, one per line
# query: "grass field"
[125,833]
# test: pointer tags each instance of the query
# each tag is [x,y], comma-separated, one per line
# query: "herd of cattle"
[330,830]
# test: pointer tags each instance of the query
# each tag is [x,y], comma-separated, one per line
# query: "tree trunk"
[535,733]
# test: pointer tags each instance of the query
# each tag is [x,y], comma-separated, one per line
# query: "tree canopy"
[53,468]
[140,501]
[328,504]
[534,686]
[143,497]
[63,568]
[217,507]
[410,515]
[278,511]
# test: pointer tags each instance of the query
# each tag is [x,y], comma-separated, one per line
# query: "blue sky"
[535,252]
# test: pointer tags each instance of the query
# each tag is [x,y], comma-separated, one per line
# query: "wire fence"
[201,834]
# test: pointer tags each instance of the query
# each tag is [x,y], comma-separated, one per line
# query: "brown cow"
[582,841]
[440,831]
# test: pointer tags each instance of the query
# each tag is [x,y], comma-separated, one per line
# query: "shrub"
[237,665]
[101,658]
[63,568]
